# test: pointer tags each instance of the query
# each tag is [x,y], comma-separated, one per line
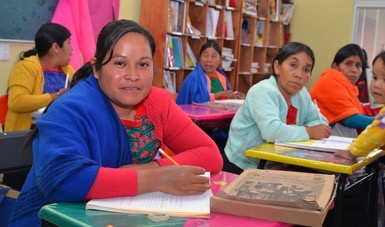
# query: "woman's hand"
[177,180]
[345,154]
[318,131]
[229,95]
[56,95]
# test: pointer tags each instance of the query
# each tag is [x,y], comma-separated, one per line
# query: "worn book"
[157,202]
[284,188]
[330,144]
[285,196]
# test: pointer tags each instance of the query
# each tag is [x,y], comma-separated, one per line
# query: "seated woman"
[337,95]
[373,136]
[207,82]
[101,139]
[40,76]
[278,108]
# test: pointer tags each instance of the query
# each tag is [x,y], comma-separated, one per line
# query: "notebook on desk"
[157,202]
[330,144]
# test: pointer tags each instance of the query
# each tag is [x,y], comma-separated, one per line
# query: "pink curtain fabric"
[102,12]
[84,19]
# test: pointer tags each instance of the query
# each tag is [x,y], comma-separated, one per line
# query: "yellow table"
[311,159]
[327,162]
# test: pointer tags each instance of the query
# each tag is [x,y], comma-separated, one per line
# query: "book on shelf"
[177,49]
[169,62]
[287,196]
[274,10]
[191,29]
[190,60]
[212,22]
[287,10]
[330,144]
[157,202]
[249,8]
[227,58]
[169,81]
[228,28]
[244,31]
[176,14]
[260,31]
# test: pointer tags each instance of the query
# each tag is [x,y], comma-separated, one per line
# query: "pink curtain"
[84,19]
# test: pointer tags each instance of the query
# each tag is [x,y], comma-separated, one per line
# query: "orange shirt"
[336,97]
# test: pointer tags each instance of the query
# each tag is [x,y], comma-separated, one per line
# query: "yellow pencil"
[164,154]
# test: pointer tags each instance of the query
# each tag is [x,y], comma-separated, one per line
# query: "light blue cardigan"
[262,118]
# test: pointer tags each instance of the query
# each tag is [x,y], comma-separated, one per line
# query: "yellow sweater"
[25,88]
[371,138]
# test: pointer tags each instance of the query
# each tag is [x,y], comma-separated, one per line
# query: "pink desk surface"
[198,113]
[220,180]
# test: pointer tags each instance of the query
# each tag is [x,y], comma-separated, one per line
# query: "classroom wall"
[128,10]
[324,25]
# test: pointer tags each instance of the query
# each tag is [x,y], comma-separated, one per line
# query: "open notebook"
[157,202]
[330,144]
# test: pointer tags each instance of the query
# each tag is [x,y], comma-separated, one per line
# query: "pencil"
[67,80]
[318,111]
[164,154]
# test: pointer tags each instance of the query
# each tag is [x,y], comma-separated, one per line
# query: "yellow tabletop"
[311,159]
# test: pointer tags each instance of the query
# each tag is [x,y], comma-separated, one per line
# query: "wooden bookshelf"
[172,19]
[262,35]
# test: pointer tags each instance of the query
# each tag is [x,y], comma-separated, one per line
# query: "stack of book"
[227,58]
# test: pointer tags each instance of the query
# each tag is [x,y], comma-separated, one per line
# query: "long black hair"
[45,37]
[107,39]
[291,49]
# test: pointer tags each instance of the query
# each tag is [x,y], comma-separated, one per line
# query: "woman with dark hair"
[373,136]
[40,76]
[337,95]
[102,138]
[207,82]
[362,83]
[278,108]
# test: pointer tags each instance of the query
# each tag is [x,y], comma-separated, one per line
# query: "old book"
[285,196]
[283,188]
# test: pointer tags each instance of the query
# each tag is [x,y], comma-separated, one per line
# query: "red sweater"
[175,130]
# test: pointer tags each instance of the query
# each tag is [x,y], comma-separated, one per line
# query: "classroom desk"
[200,113]
[325,162]
[75,214]
[209,118]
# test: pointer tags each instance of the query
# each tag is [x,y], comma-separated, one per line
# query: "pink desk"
[75,214]
[200,113]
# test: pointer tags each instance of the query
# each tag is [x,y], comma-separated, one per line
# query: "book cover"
[212,22]
[256,192]
[176,49]
[190,57]
[309,191]
[169,81]
[259,30]
[330,144]
[170,53]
